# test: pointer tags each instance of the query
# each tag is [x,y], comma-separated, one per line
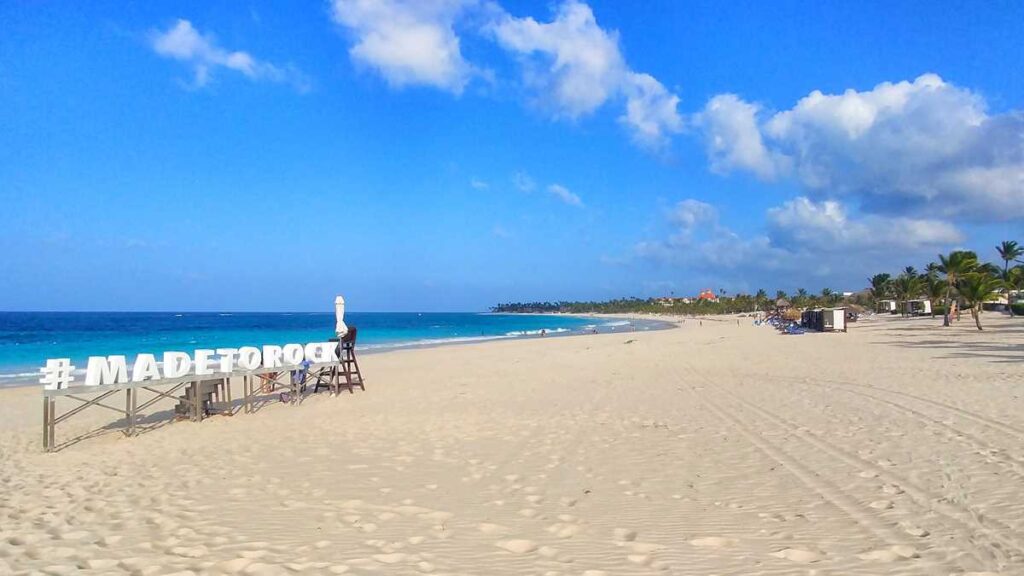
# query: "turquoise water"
[27,339]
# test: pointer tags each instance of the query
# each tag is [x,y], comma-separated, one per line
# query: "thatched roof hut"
[782,304]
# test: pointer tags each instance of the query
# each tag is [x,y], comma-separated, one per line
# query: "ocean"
[27,339]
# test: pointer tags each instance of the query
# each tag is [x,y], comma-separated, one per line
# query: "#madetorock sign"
[58,373]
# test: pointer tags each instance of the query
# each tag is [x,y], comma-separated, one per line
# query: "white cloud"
[804,242]
[690,213]
[523,182]
[581,66]
[565,195]
[826,227]
[571,64]
[576,67]
[184,43]
[925,147]
[409,42]
[734,138]
[499,231]
[651,113]
[479,184]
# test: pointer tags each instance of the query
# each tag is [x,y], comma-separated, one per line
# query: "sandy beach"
[897,448]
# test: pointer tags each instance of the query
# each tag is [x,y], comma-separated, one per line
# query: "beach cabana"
[886,307]
[824,319]
[919,307]
[833,320]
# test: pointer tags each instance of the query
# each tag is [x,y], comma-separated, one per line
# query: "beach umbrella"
[339,313]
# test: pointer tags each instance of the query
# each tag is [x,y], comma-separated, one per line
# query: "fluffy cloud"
[690,213]
[576,67]
[581,66]
[921,147]
[409,42]
[651,113]
[801,224]
[184,43]
[571,65]
[734,138]
[565,195]
[804,241]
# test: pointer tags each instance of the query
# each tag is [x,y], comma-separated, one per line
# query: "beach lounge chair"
[347,372]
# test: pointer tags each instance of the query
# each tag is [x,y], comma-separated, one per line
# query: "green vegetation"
[957,278]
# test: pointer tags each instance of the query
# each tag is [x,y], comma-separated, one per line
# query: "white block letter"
[292,354]
[109,370]
[145,368]
[272,356]
[332,351]
[176,364]
[249,357]
[203,362]
[315,352]
[227,359]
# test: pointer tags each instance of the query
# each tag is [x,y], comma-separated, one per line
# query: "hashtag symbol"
[57,374]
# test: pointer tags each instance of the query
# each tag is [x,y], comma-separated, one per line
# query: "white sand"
[897,448]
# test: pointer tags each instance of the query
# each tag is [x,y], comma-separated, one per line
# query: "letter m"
[109,370]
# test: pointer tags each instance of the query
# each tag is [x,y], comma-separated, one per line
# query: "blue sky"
[451,154]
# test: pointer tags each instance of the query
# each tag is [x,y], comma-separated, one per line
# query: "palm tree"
[1013,281]
[801,298]
[761,298]
[934,288]
[1009,251]
[910,271]
[880,286]
[954,266]
[976,288]
[907,287]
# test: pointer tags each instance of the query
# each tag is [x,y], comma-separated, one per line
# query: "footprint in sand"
[916,531]
[890,554]
[563,530]
[798,555]
[517,546]
[624,535]
[892,489]
[881,504]
[644,547]
[641,559]
[488,528]
[393,558]
[713,542]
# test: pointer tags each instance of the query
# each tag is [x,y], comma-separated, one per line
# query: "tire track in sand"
[963,413]
[1014,465]
[854,509]
[1001,548]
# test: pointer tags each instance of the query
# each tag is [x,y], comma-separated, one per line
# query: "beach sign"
[58,373]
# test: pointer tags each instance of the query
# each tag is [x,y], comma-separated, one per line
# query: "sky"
[447,155]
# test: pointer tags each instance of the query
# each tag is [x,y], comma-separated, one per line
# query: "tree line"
[957,276]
